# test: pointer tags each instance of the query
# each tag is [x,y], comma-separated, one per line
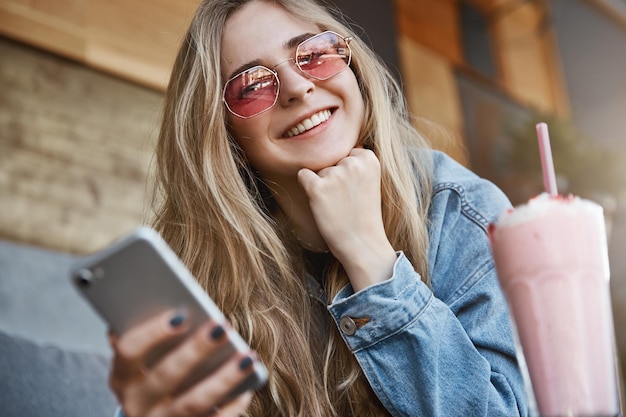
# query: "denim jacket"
[446,351]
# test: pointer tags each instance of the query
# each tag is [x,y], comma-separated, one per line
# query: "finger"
[307,178]
[196,352]
[236,407]
[132,348]
[213,391]
[360,155]
[360,151]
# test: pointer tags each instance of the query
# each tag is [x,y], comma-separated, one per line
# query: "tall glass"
[552,262]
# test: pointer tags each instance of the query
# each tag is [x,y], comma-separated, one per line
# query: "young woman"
[353,259]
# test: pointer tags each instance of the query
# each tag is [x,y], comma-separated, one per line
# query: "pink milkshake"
[552,263]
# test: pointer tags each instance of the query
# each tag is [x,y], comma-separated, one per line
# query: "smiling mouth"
[309,123]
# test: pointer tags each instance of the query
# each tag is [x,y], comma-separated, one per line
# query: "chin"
[320,164]
[324,155]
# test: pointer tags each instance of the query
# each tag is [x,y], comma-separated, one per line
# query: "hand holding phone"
[134,282]
[156,391]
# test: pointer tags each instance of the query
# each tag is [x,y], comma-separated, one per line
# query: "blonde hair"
[215,213]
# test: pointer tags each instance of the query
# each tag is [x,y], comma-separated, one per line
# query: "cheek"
[361,103]
[247,137]
[234,125]
[356,95]
[358,109]
[242,130]
[252,128]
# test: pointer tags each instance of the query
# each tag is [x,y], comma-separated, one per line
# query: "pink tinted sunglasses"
[255,90]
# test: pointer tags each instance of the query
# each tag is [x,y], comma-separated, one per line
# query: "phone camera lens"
[84,277]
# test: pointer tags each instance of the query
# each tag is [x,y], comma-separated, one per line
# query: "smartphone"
[140,276]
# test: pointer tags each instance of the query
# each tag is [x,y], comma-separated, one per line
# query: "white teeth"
[309,123]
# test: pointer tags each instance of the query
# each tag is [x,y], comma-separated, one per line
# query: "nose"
[294,85]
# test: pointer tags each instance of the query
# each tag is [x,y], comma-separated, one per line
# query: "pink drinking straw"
[547,165]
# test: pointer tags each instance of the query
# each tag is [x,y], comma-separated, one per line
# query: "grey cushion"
[46,381]
[37,301]
[53,348]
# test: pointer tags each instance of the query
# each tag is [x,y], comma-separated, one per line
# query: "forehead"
[258,32]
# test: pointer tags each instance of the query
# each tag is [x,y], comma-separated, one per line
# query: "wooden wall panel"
[55,25]
[528,58]
[432,95]
[434,24]
[138,39]
[75,148]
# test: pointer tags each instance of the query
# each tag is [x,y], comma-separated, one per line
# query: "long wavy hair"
[217,215]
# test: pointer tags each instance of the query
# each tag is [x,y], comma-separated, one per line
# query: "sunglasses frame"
[346,39]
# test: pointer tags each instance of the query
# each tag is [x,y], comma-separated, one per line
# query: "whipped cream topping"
[541,205]
[309,123]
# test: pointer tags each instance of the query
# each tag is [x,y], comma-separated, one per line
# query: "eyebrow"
[289,44]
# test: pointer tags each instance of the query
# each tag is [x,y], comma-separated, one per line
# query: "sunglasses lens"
[251,92]
[323,55]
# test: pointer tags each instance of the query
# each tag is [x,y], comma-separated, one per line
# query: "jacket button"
[348,326]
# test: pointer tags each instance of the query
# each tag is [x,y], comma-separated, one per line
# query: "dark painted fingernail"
[178,319]
[245,363]
[217,333]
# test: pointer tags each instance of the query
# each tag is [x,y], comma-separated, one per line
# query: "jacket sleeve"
[424,359]
[442,351]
